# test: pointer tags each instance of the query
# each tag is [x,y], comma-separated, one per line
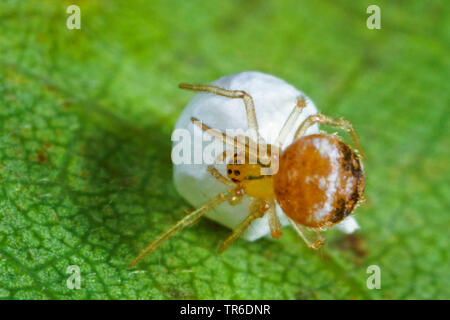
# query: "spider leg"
[338,123]
[312,237]
[244,147]
[248,102]
[184,222]
[251,151]
[274,222]
[228,153]
[257,208]
[290,122]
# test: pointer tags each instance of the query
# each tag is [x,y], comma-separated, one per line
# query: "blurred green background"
[86,117]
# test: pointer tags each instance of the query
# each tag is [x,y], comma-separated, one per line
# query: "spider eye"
[230,171]
[237,172]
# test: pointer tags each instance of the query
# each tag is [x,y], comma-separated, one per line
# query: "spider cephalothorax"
[251,178]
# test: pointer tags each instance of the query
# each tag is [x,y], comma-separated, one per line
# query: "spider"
[319,179]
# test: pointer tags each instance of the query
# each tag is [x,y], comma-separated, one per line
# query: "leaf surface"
[85,122]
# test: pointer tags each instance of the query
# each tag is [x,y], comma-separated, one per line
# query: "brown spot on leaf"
[67,104]
[356,244]
[51,88]
[84,173]
[42,156]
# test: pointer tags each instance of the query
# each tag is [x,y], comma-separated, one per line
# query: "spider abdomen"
[320,180]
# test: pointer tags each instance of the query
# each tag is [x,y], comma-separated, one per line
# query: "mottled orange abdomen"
[319,181]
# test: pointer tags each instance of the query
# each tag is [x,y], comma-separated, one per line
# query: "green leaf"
[85,170]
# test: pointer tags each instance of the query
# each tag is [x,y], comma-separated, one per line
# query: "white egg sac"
[274,100]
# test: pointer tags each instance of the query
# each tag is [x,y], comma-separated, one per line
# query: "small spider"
[319,181]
